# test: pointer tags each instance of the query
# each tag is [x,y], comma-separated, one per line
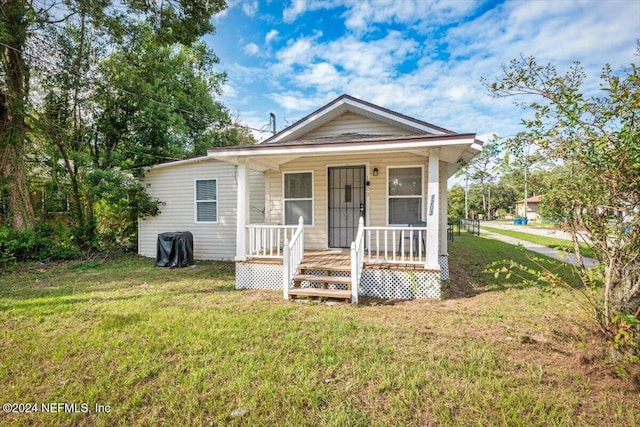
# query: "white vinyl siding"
[355,123]
[173,185]
[298,197]
[405,193]
[206,199]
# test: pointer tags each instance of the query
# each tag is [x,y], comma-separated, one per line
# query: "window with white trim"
[206,200]
[298,197]
[405,195]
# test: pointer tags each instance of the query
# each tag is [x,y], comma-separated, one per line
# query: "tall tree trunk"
[12,113]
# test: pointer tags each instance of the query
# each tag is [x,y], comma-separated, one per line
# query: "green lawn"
[551,242]
[182,347]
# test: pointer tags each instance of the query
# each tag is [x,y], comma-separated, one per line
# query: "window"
[298,197]
[206,200]
[405,195]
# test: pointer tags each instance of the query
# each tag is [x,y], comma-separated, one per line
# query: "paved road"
[544,250]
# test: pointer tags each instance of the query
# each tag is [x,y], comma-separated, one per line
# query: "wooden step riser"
[321,293]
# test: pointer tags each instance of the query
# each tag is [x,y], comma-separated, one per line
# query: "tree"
[482,169]
[22,23]
[502,197]
[147,102]
[596,139]
[14,93]
[455,202]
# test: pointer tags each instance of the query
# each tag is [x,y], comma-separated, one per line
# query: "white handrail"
[292,255]
[396,245]
[267,240]
[357,260]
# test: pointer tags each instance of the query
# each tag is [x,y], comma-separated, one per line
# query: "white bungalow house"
[350,200]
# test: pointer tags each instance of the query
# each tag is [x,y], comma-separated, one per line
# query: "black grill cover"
[175,249]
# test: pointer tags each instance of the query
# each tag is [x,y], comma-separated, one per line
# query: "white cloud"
[229,90]
[322,75]
[271,35]
[457,93]
[362,15]
[251,49]
[298,101]
[299,51]
[377,58]
[250,8]
[299,7]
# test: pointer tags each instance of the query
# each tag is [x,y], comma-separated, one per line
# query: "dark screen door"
[346,204]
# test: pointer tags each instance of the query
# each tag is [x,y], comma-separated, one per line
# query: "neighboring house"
[533,208]
[341,188]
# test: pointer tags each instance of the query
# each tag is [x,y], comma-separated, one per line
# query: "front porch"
[383,262]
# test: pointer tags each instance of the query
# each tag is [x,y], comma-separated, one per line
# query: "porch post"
[444,249]
[433,210]
[242,212]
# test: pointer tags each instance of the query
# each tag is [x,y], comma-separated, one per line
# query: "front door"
[347,191]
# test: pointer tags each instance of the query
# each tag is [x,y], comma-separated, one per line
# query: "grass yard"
[550,242]
[182,347]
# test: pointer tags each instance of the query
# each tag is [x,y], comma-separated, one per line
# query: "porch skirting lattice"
[400,284]
[443,260]
[253,275]
[374,282]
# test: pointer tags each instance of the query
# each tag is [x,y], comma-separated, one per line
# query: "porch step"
[326,293]
[325,280]
[328,269]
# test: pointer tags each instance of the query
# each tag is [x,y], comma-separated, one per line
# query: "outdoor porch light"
[375,171]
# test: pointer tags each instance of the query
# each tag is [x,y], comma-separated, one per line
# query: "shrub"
[40,243]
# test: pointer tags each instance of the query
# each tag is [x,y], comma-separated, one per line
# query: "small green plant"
[626,328]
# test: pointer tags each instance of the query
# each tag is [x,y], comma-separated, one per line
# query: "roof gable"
[352,116]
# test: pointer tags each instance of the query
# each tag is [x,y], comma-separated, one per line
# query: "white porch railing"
[293,253]
[267,240]
[396,245]
[357,261]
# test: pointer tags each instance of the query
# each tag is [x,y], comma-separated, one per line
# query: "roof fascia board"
[339,148]
[181,162]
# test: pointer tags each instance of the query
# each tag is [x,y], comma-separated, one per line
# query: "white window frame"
[196,201]
[312,199]
[421,196]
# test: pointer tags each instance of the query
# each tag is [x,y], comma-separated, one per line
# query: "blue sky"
[423,58]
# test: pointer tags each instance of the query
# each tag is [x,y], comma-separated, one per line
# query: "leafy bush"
[41,243]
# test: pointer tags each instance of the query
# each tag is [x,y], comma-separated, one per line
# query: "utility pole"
[526,168]
[489,216]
